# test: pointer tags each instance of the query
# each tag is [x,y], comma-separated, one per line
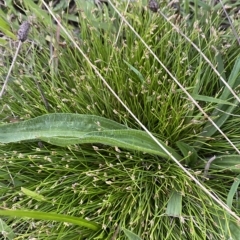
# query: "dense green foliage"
[123,189]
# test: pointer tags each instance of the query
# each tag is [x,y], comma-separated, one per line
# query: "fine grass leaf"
[67,129]
[211,99]
[140,76]
[6,231]
[51,217]
[130,235]
[33,195]
[174,206]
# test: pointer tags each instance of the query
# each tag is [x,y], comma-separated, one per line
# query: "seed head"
[23,31]
[153,5]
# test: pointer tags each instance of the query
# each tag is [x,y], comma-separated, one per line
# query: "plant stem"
[10,69]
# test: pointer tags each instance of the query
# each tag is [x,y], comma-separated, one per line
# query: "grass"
[144,193]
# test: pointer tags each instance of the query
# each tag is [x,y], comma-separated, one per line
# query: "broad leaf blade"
[174,207]
[66,129]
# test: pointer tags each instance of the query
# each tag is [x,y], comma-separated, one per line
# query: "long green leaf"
[51,217]
[211,99]
[64,129]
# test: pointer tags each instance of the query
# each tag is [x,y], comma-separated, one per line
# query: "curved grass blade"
[51,217]
[64,129]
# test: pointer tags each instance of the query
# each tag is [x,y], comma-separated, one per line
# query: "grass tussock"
[146,194]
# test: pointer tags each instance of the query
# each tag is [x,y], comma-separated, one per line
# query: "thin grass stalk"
[22,37]
[216,199]
[118,33]
[10,69]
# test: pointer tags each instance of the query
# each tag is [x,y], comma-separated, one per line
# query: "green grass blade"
[188,152]
[67,129]
[220,68]
[32,194]
[140,76]
[212,100]
[51,217]
[6,231]
[130,235]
